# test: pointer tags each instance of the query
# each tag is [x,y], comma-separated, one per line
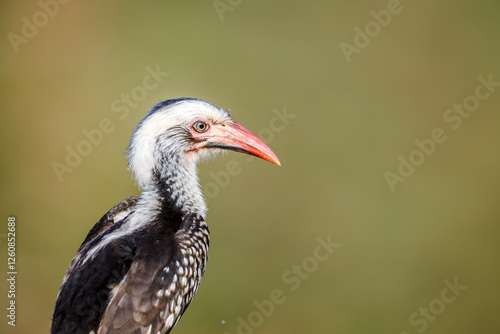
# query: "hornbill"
[141,264]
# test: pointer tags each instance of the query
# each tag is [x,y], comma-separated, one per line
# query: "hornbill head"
[180,132]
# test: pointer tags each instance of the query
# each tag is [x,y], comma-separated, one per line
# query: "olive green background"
[349,123]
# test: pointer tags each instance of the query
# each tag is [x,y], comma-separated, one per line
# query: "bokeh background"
[349,119]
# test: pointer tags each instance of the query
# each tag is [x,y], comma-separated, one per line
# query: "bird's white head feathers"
[163,137]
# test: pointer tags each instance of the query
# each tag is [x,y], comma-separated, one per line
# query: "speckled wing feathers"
[157,289]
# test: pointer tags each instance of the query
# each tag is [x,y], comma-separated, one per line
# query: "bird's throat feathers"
[178,188]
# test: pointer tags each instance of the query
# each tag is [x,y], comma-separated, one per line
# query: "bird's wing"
[78,295]
[135,307]
[155,291]
[114,215]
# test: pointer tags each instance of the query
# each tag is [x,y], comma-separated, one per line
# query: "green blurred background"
[348,124]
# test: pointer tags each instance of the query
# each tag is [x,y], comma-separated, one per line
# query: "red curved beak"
[233,136]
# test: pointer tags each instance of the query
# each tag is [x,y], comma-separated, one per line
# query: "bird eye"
[200,126]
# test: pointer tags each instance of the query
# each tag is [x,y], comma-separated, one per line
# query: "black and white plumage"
[141,264]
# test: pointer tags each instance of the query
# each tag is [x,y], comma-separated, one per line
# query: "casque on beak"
[235,137]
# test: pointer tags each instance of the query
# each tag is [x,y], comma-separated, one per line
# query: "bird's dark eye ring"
[200,126]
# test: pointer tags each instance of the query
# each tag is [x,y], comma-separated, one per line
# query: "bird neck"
[176,189]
